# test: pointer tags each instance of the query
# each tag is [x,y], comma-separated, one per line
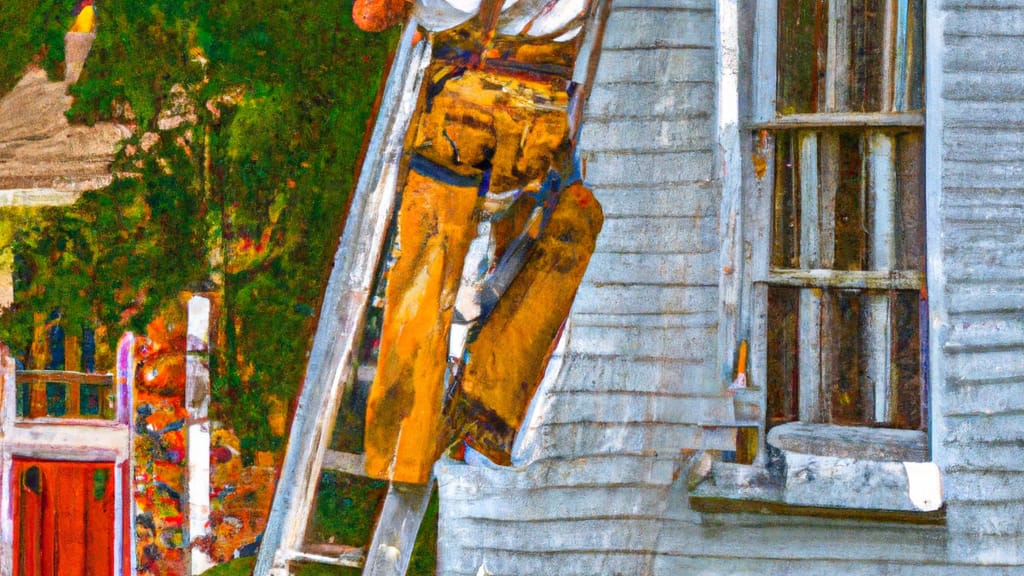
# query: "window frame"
[811,132]
[745,227]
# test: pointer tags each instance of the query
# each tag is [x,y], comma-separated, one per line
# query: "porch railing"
[64,394]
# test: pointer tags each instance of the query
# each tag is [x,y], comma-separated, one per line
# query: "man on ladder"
[494,233]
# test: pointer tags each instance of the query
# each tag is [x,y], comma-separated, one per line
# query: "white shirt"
[557,18]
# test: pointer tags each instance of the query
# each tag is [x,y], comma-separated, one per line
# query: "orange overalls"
[488,150]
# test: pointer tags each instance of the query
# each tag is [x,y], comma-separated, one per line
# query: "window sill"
[856,442]
[843,479]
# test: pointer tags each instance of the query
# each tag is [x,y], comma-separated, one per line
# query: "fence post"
[124,483]
[197,402]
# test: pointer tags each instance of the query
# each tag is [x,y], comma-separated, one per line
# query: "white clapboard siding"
[632,375]
[685,99]
[637,379]
[983,243]
[595,515]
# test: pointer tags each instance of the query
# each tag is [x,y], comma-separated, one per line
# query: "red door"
[63,518]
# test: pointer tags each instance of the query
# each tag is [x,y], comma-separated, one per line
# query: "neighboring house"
[44,160]
[99,476]
[65,479]
[891,302]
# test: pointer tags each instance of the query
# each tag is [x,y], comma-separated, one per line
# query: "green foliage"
[281,96]
[247,197]
[424,552]
[32,31]
[346,507]
[236,567]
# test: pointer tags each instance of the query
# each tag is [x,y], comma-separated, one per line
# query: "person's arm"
[377,15]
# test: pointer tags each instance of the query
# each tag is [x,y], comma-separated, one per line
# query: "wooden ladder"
[332,367]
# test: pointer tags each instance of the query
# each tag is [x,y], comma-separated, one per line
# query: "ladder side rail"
[586,64]
[343,308]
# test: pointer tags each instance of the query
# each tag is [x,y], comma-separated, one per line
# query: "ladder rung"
[345,462]
[352,559]
[366,373]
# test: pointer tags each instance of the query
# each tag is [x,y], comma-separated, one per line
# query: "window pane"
[869,75]
[56,399]
[786,217]
[847,398]
[783,362]
[851,226]
[907,381]
[23,399]
[867,20]
[910,219]
[803,26]
[89,399]
[915,56]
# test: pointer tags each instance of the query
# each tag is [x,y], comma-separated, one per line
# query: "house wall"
[638,382]
[982,248]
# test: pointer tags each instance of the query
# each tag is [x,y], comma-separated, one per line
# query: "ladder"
[332,370]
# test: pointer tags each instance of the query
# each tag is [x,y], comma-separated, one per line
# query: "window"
[842,287]
[836,302]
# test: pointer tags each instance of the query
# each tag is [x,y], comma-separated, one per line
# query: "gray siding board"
[703,565]
[979,5]
[985,399]
[463,482]
[868,543]
[690,200]
[992,364]
[682,343]
[993,550]
[981,458]
[988,22]
[664,100]
[690,319]
[662,29]
[657,66]
[655,168]
[627,407]
[624,135]
[983,54]
[563,535]
[993,144]
[660,269]
[982,114]
[560,503]
[591,299]
[501,562]
[961,173]
[981,265]
[1001,219]
[981,486]
[637,375]
[985,429]
[657,235]
[988,518]
[998,234]
[595,437]
[994,329]
[990,87]
[963,57]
